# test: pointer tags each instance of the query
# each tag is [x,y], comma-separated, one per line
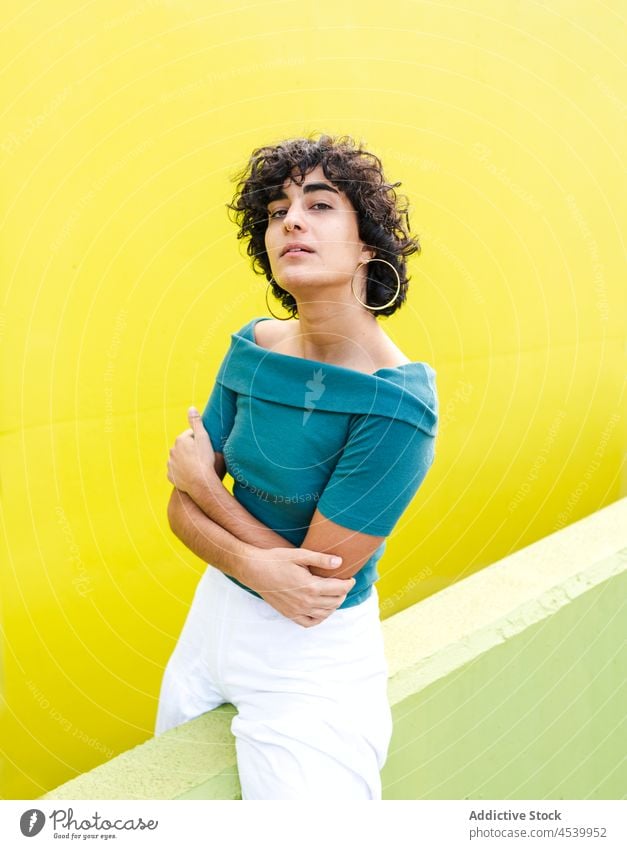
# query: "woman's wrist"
[204,491]
[246,566]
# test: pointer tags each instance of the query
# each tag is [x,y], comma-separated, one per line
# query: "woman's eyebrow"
[319,187]
[308,187]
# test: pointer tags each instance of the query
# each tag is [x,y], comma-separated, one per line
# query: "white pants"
[313,717]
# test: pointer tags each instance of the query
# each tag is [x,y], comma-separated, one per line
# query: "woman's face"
[321,219]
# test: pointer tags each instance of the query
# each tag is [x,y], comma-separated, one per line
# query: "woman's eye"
[278,213]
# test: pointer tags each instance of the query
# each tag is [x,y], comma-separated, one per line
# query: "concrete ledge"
[451,627]
[503,685]
[200,753]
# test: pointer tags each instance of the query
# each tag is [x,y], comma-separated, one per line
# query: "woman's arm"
[280,575]
[354,548]
[218,504]
[218,547]
[221,506]
[197,471]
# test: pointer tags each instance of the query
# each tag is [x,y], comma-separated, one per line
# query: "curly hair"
[382,215]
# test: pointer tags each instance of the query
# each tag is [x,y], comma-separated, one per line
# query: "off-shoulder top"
[297,434]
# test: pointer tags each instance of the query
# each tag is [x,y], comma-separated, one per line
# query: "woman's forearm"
[280,575]
[218,504]
[208,540]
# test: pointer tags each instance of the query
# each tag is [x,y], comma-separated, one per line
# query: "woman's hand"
[192,458]
[282,578]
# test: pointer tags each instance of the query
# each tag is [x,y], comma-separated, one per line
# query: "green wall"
[542,715]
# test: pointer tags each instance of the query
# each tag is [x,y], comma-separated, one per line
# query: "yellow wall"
[122,280]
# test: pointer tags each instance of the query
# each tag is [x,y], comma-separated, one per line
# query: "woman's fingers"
[309,621]
[335,587]
[325,606]
[315,617]
[315,558]
[297,594]
[322,613]
[305,621]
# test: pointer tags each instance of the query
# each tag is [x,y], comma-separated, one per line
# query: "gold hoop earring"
[398,283]
[287,318]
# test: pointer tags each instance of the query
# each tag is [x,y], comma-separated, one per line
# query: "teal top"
[297,434]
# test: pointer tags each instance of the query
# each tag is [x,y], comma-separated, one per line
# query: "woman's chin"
[295,284]
[300,281]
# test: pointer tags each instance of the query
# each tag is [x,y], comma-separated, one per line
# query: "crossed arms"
[303,583]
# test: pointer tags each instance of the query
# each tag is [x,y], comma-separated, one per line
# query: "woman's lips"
[296,248]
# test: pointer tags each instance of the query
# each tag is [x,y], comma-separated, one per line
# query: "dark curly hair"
[382,215]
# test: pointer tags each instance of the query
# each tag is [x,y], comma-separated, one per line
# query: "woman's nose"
[292,219]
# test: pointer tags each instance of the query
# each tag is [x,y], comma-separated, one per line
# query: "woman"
[328,431]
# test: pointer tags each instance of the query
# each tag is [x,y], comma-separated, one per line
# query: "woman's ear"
[367,253]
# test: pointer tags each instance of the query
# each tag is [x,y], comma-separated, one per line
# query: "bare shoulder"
[269,333]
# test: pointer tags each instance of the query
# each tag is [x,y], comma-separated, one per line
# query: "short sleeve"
[379,472]
[219,415]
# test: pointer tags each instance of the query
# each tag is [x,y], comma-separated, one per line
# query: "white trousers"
[313,717]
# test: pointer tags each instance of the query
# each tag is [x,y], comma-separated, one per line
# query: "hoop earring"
[398,283]
[287,318]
